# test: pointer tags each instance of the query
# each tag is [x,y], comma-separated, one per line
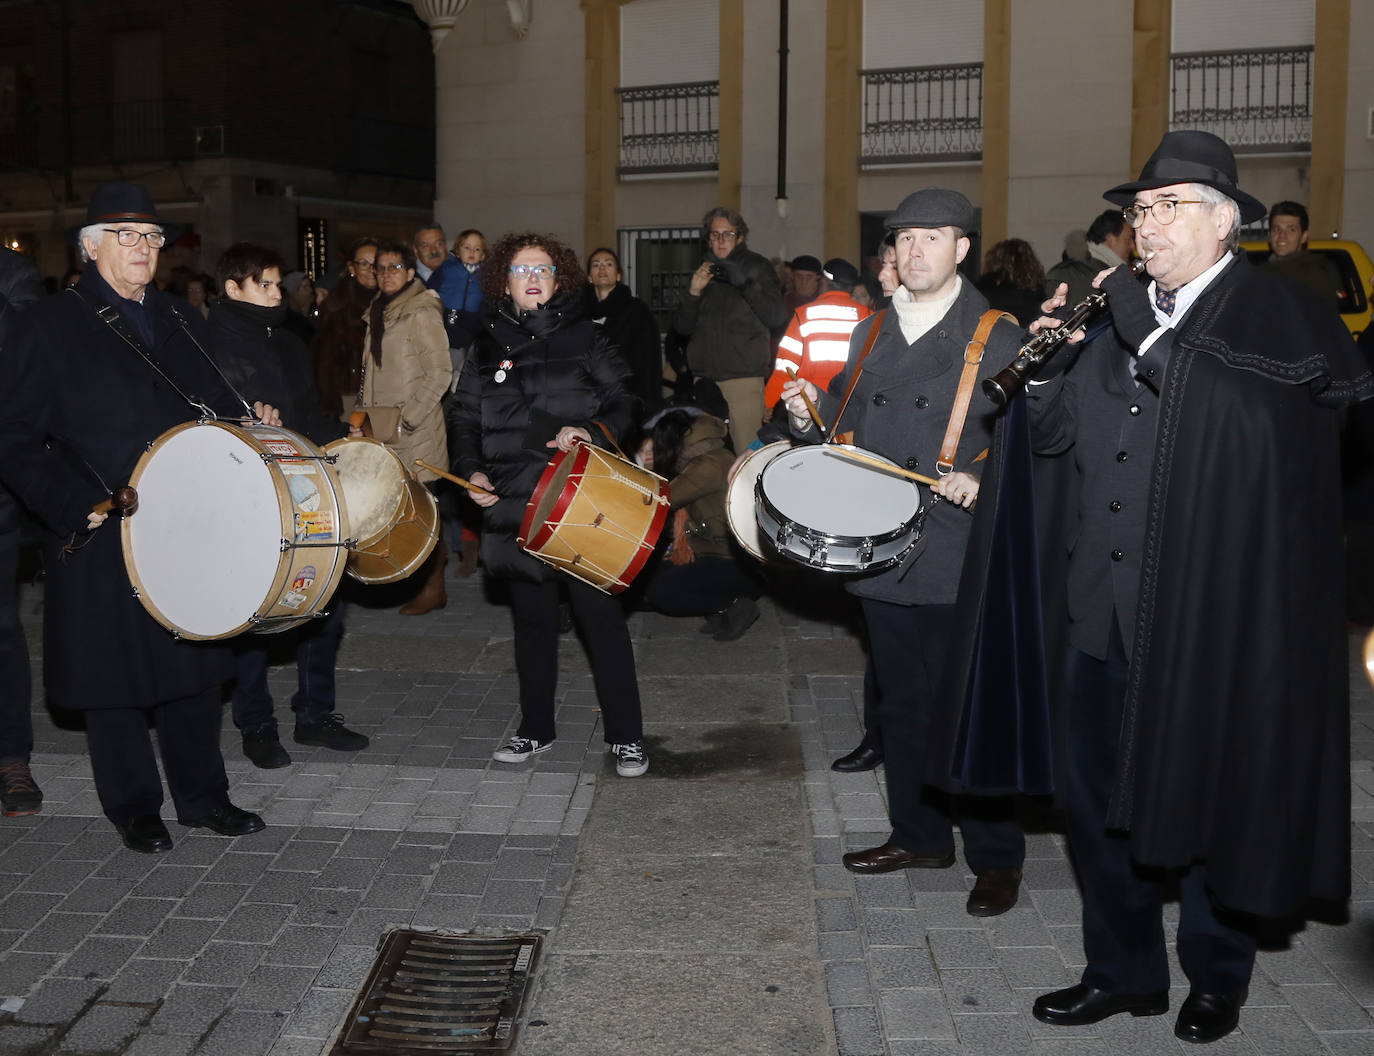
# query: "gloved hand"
[735,274]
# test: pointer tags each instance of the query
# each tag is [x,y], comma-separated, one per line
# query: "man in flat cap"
[1206,728]
[92,377]
[899,389]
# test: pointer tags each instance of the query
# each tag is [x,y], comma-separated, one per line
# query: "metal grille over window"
[669,128]
[922,113]
[1259,99]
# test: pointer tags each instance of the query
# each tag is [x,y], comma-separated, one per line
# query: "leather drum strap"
[973,355]
[869,339]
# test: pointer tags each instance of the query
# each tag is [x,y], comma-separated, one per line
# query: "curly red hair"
[569,277]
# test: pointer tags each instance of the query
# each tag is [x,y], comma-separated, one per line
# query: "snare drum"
[235,530]
[739,496]
[596,516]
[394,519]
[830,513]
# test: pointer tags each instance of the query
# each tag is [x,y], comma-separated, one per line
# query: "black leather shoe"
[889,858]
[229,820]
[1082,1004]
[146,835]
[1207,1017]
[865,757]
[994,892]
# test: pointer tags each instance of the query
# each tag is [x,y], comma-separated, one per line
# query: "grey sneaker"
[630,759]
[518,749]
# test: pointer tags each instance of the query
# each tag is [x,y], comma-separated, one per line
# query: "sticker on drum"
[831,513]
[204,548]
[739,496]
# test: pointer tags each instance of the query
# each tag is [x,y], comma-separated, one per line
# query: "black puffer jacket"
[531,374]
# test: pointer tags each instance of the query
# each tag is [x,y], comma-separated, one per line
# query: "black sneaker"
[737,619]
[262,747]
[329,732]
[19,793]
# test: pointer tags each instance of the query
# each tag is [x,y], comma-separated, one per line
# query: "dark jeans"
[317,654]
[908,644]
[697,588]
[601,622]
[1123,928]
[125,768]
[16,689]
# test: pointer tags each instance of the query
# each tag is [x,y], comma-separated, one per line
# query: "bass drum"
[394,519]
[739,496]
[236,529]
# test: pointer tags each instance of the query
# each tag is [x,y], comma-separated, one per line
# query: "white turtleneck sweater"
[918,317]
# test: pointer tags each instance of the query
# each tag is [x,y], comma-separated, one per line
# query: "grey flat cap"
[933,207]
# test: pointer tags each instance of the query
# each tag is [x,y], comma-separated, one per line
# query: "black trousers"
[908,645]
[601,622]
[125,768]
[16,688]
[1123,928]
[317,655]
[698,588]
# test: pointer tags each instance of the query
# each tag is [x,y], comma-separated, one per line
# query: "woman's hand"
[569,435]
[482,498]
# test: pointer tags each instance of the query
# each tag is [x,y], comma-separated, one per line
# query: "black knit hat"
[1190,156]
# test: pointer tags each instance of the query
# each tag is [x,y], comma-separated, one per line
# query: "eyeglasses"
[362,265]
[1163,210]
[721,236]
[127,236]
[539,271]
[389,267]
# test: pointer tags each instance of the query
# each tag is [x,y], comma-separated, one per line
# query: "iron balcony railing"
[922,113]
[1259,99]
[669,128]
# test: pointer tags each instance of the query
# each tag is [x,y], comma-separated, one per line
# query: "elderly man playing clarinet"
[1206,727]
[94,375]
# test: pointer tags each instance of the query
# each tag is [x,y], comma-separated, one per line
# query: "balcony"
[669,128]
[1259,100]
[112,133]
[918,114]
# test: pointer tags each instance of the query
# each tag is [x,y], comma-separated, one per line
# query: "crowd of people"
[1189,715]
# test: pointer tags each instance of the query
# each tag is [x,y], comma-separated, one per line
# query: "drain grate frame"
[436,992]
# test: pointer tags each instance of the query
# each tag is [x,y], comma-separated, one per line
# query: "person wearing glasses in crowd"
[92,376]
[338,344]
[732,306]
[406,364]
[544,377]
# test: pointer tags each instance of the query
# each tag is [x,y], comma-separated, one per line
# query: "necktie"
[1165,300]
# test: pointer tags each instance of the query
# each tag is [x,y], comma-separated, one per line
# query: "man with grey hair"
[732,305]
[92,376]
[438,269]
[1205,725]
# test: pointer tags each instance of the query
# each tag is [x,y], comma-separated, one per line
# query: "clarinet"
[1012,378]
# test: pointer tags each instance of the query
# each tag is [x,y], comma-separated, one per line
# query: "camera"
[718,272]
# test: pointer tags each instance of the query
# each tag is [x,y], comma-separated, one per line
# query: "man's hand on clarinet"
[1056,301]
[792,392]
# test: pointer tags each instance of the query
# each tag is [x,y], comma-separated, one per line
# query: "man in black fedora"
[92,376]
[1206,725]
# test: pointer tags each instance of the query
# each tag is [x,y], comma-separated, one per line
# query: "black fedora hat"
[119,201]
[1190,156]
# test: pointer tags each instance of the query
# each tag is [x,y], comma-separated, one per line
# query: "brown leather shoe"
[432,595]
[994,892]
[889,858]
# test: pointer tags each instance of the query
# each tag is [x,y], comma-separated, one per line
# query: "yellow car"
[1350,267]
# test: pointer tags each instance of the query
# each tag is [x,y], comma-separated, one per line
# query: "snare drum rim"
[580,458]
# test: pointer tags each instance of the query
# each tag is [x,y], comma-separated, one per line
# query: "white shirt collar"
[1189,292]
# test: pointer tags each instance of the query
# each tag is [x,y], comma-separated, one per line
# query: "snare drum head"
[374,484]
[827,493]
[204,545]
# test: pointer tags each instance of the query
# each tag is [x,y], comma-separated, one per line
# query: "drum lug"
[819,550]
[784,535]
[286,545]
[865,552]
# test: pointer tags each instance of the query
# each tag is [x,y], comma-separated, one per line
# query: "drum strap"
[872,336]
[609,436]
[958,414]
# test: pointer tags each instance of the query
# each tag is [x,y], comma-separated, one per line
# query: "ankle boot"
[432,595]
[467,565]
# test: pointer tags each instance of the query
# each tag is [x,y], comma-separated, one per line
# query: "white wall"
[1359,148]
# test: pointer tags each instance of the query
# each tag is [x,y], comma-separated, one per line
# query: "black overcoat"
[68,378]
[530,374]
[631,327]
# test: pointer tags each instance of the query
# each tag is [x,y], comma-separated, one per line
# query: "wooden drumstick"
[125,498]
[886,467]
[457,480]
[810,407]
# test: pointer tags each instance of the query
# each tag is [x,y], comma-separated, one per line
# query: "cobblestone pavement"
[258,945]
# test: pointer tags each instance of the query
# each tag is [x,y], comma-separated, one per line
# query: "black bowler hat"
[121,202]
[933,207]
[1191,156]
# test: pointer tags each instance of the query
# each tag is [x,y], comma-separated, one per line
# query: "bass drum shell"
[236,529]
[395,519]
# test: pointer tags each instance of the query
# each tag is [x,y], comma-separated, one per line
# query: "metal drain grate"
[432,993]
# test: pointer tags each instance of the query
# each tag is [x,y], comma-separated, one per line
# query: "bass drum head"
[739,496]
[374,484]
[203,547]
[835,496]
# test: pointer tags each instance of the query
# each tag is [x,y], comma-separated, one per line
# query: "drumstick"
[125,498]
[810,407]
[887,467]
[457,480]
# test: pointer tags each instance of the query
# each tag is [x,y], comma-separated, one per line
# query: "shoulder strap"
[973,355]
[869,340]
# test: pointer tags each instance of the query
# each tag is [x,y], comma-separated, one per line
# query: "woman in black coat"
[629,324]
[544,377]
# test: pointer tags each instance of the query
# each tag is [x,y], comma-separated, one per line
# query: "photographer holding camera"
[732,306]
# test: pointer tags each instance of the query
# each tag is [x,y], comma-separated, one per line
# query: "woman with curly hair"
[542,376]
[1013,279]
